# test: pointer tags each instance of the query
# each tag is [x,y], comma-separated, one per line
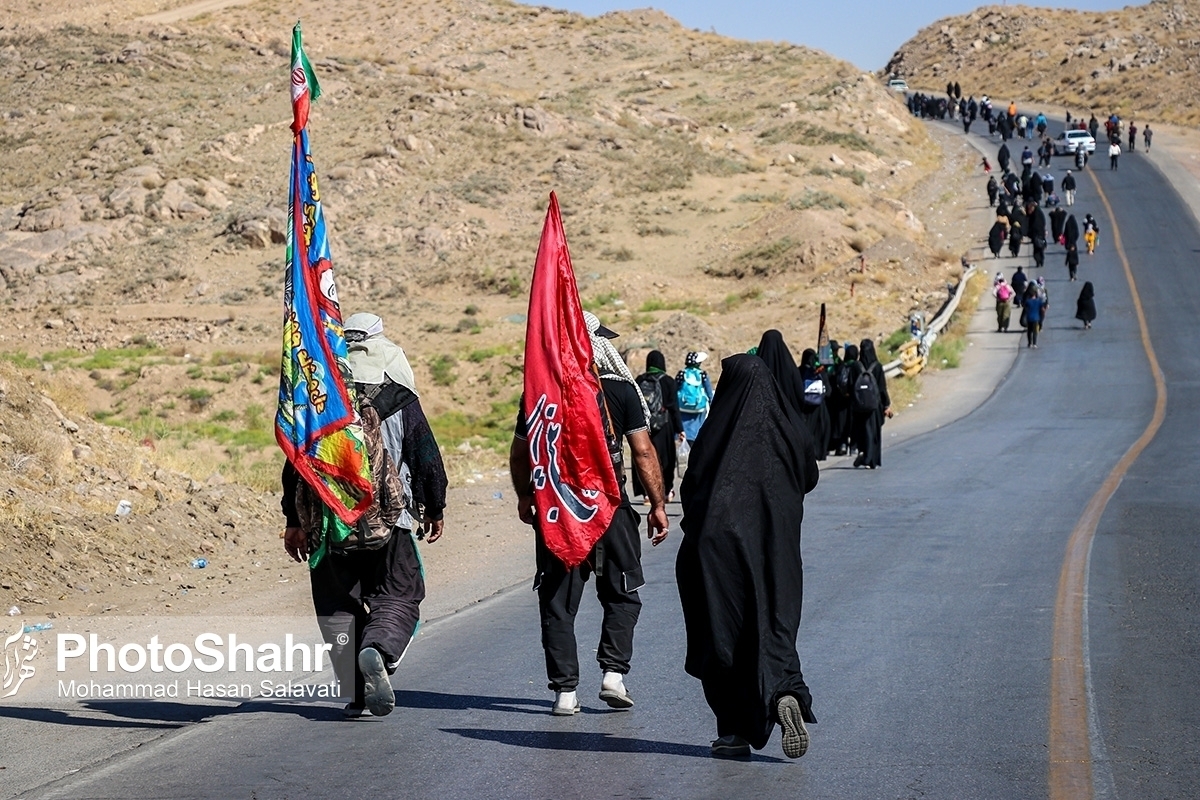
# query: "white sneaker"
[795,735]
[566,704]
[613,692]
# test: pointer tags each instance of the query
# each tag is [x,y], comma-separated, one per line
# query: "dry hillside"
[1140,61]
[712,188]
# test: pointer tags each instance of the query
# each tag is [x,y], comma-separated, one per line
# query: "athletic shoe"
[354,711]
[566,704]
[613,692]
[730,747]
[377,692]
[795,735]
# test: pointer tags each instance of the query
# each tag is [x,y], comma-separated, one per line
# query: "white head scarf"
[373,356]
[608,361]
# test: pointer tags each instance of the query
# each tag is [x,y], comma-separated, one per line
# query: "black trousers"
[369,598]
[616,561]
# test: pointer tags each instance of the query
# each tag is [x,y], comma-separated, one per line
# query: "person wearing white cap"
[615,560]
[372,596]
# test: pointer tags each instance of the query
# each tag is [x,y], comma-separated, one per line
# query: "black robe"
[739,570]
[1071,231]
[1003,158]
[996,238]
[868,426]
[1085,306]
[816,417]
[774,351]
[1058,219]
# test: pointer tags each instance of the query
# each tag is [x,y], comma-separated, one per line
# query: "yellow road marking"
[1070,743]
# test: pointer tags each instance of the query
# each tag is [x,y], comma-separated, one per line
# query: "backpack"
[651,388]
[866,391]
[814,391]
[843,379]
[374,527]
[691,396]
[1003,292]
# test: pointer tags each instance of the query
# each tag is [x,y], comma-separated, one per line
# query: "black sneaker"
[731,747]
[354,711]
[377,692]
[795,735]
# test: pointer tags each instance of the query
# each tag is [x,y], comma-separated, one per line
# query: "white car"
[898,85]
[1069,141]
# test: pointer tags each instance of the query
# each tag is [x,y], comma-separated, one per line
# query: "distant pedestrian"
[870,412]
[1068,187]
[987,167]
[1132,135]
[1147,135]
[1085,306]
[1072,260]
[694,394]
[1020,281]
[1071,232]
[1114,153]
[666,428]
[1091,233]
[993,190]
[739,568]
[1003,294]
[1081,157]
[1031,315]
[996,238]
[1003,157]
[1058,220]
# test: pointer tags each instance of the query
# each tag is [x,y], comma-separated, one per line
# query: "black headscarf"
[866,353]
[808,360]
[739,569]
[778,358]
[851,353]
[656,360]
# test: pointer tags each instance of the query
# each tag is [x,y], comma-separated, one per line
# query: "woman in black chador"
[996,238]
[1085,306]
[740,575]
[815,409]
[774,351]
[868,425]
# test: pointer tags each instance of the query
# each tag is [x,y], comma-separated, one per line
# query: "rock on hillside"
[1140,61]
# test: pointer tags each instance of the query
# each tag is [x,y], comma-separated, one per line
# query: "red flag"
[575,487]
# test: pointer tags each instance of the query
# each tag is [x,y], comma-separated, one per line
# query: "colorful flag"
[317,423]
[575,487]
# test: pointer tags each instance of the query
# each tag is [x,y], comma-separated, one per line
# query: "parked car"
[898,85]
[1070,141]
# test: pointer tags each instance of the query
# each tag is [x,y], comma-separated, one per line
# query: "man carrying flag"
[567,470]
[343,498]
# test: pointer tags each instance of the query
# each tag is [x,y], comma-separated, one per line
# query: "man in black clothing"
[615,560]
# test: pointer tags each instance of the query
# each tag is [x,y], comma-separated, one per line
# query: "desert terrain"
[711,188]
[1139,62]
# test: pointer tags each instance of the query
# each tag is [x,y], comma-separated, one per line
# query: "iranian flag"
[575,487]
[305,87]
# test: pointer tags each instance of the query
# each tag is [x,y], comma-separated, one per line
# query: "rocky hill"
[712,188]
[1140,61]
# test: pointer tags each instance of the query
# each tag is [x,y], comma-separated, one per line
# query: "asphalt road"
[928,616]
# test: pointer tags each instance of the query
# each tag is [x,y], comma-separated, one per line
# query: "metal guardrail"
[914,353]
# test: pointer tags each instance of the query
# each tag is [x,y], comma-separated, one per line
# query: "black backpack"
[866,391]
[843,379]
[651,386]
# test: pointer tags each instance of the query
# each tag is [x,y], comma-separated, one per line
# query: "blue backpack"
[691,396]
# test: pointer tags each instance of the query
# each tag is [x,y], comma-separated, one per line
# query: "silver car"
[1069,141]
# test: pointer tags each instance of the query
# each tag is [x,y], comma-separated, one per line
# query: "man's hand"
[432,529]
[887,412]
[526,510]
[296,544]
[657,526]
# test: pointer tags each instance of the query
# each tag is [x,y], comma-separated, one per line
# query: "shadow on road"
[464,702]
[156,714]
[590,743]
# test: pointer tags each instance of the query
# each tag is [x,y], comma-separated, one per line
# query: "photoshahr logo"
[19,652]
